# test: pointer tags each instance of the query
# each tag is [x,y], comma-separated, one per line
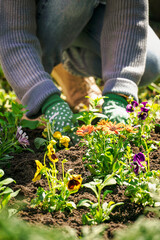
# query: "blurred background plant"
[142,229]
[15,229]
[6,193]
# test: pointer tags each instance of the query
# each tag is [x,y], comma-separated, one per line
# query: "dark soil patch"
[23,167]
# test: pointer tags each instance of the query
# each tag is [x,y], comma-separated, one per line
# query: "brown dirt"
[22,168]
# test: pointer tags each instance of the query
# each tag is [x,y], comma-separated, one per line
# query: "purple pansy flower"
[129,108]
[144,103]
[134,104]
[137,160]
[142,115]
[144,109]
[22,137]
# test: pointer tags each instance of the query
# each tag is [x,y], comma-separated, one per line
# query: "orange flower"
[74,183]
[130,129]
[103,122]
[110,127]
[114,128]
[84,130]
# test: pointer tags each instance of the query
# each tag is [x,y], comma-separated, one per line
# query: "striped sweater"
[124,38]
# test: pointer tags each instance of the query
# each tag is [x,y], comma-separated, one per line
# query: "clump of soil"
[22,168]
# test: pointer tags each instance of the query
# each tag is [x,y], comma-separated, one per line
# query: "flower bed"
[22,169]
[117,165]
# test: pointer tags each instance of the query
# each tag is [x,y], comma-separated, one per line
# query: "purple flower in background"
[137,160]
[22,137]
[144,109]
[135,167]
[144,103]
[142,115]
[134,104]
[129,108]
[139,157]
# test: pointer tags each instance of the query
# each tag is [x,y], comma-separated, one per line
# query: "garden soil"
[22,169]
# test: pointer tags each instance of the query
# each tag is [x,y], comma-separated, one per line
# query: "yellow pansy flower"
[53,142]
[57,135]
[51,153]
[74,183]
[37,175]
[64,140]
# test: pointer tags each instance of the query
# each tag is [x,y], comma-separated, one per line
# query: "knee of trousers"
[152,67]
[82,62]
[59,22]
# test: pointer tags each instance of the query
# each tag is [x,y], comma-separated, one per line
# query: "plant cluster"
[109,150]
[59,189]
[59,140]
[12,137]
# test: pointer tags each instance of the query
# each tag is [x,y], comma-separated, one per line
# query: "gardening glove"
[114,107]
[57,110]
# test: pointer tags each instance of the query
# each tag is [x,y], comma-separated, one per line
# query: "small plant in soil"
[87,117]
[100,211]
[6,193]
[56,197]
[12,137]
[140,182]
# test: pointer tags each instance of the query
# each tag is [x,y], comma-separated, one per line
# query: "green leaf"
[109,180]
[29,124]
[115,166]
[94,205]
[105,193]
[86,219]
[38,142]
[6,181]
[4,159]
[1,173]
[71,204]
[92,186]
[16,108]
[111,206]
[14,194]
[5,200]
[6,191]
[84,203]
[67,129]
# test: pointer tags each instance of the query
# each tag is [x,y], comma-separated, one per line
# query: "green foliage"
[29,124]
[6,193]
[9,122]
[100,211]
[15,229]
[109,150]
[11,114]
[142,229]
[87,117]
[105,152]
[140,187]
